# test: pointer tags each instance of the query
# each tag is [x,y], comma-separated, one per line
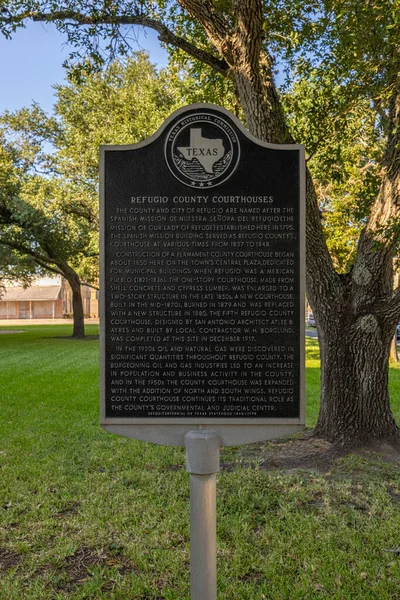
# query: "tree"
[51,212]
[13,266]
[34,231]
[355,306]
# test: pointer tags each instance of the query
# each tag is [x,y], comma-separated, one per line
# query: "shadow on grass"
[70,337]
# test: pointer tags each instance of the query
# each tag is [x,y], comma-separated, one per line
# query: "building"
[46,298]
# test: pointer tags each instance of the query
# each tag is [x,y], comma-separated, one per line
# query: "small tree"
[35,230]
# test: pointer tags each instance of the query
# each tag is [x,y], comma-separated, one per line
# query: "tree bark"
[355,404]
[394,355]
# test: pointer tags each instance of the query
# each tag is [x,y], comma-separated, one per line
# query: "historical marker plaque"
[202,317]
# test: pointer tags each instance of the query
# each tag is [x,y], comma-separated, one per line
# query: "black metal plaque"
[201,245]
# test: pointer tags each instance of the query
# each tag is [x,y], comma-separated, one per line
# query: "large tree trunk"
[356,320]
[355,406]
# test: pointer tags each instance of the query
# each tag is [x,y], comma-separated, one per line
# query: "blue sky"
[32,62]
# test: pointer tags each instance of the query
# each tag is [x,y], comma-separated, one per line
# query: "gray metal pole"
[202,462]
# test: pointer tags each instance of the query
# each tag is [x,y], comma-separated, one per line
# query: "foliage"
[13,265]
[342,63]
[57,155]
[33,221]
[337,63]
[120,105]
[344,142]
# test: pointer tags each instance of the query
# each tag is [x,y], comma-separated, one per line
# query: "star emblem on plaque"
[202,150]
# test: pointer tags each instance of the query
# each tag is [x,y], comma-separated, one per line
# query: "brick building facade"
[47,298]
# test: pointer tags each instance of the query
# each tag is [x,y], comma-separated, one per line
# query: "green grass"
[85,514]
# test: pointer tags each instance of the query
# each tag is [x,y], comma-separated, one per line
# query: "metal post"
[202,462]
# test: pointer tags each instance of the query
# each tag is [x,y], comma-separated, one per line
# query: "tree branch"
[376,248]
[51,269]
[83,212]
[40,259]
[165,34]
[214,23]
[90,285]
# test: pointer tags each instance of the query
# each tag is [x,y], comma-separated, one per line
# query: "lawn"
[85,514]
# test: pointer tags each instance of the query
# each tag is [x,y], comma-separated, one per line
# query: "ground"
[86,515]
[305,452]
